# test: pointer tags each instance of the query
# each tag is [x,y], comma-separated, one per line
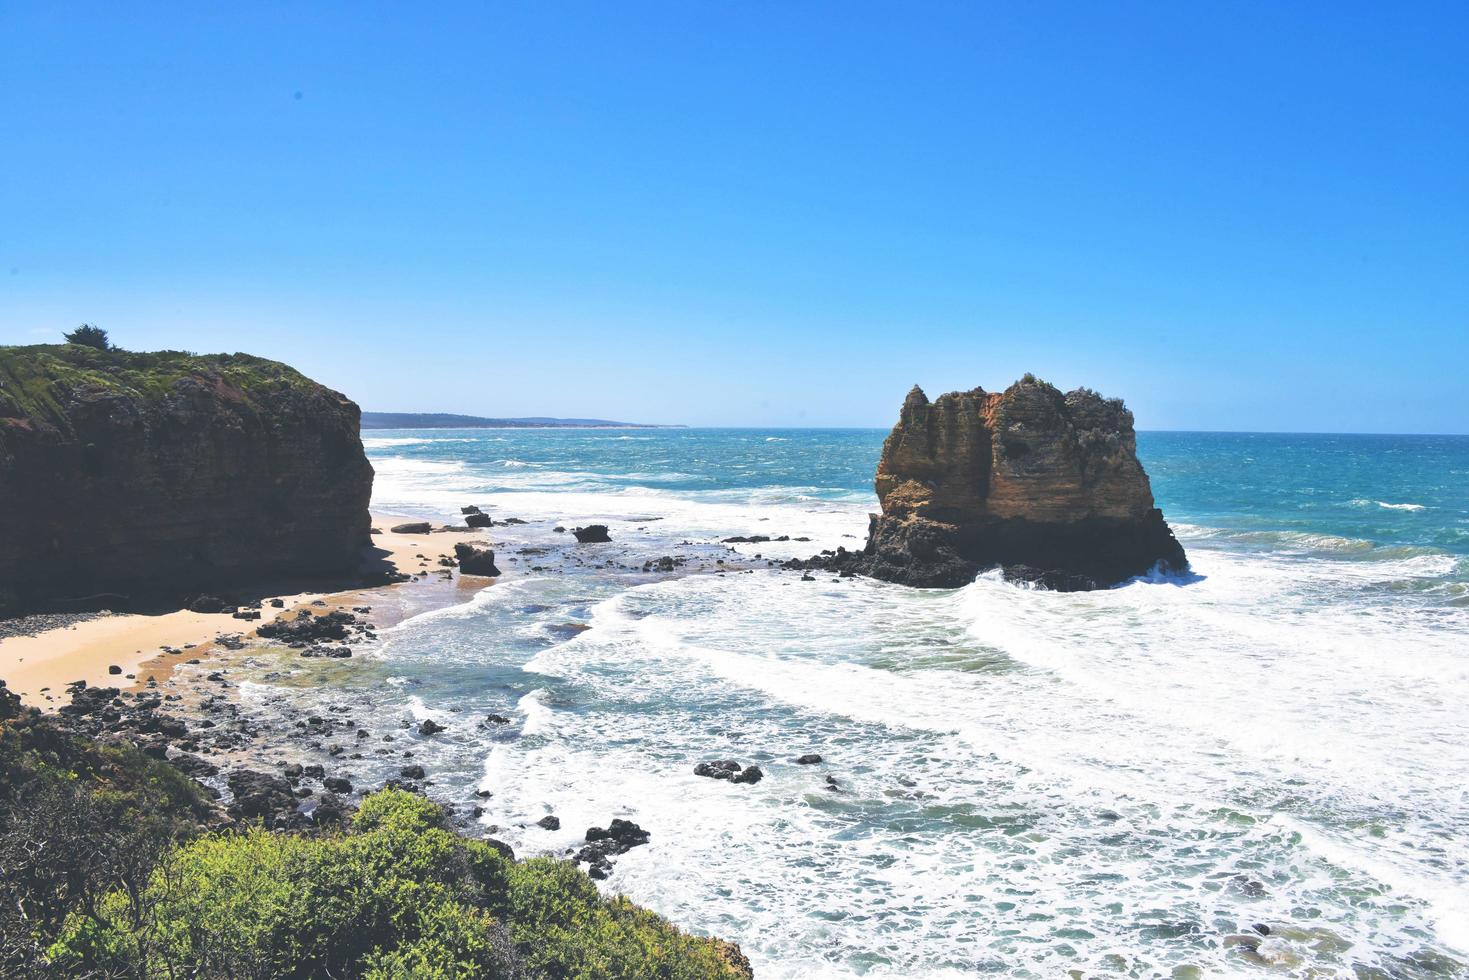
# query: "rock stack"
[1043,484]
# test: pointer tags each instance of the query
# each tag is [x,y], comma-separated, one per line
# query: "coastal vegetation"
[88,336]
[118,866]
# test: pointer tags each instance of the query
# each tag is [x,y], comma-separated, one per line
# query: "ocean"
[1261,768]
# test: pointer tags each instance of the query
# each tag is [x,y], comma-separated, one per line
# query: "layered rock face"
[155,474]
[1044,484]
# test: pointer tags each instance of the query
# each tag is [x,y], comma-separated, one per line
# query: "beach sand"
[39,667]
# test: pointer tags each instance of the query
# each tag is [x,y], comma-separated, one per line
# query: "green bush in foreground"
[79,821]
[399,896]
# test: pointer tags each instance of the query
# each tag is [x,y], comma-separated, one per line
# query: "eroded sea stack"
[150,474]
[1044,484]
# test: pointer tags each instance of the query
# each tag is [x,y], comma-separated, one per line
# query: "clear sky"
[1236,216]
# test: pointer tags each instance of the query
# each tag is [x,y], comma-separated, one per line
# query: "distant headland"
[441,420]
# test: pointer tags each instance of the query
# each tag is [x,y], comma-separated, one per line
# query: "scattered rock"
[260,796]
[430,727]
[730,770]
[310,628]
[331,810]
[478,520]
[723,769]
[549,822]
[591,534]
[752,774]
[619,837]
[810,759]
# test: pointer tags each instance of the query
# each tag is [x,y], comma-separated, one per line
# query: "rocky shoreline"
[301,769]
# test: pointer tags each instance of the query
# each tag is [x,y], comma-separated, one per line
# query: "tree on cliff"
[89,336]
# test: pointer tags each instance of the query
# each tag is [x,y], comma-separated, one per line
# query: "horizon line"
[879,428]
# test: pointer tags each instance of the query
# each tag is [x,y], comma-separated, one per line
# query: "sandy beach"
[38,667]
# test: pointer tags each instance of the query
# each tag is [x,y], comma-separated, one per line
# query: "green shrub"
[88,336]
[80,821]
[399,896]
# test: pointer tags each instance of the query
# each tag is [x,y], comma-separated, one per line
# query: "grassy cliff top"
[40,380]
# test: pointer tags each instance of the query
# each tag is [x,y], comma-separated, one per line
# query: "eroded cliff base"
[1091,554]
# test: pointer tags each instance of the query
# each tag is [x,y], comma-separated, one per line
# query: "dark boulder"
[752,774]
[331,811]
[260,796]
[476,560]
[591,534]
[307,628]
[192,765]
[619,837]
[413,527]
[549,822]
[429,727]
[722,769]
[478,520]
[809,759]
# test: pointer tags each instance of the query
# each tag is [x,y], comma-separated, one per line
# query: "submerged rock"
[730,770]
[1044,484]
[619,837]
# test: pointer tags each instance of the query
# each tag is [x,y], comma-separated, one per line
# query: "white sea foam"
[1175,708]
[387,442]
[1030,782]
[1362,502]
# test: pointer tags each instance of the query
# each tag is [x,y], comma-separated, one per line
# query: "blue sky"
[1236,216]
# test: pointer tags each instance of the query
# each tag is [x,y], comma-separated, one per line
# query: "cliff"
[156,474]
[1044,484]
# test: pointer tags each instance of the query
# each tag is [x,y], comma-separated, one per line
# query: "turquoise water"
[1122,783]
